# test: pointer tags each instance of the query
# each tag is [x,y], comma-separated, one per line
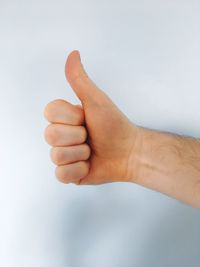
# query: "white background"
[145,55]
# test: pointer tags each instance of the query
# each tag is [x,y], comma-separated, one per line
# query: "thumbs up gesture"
[92,143]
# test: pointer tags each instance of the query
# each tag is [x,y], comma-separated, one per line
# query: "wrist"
[149,155]
[134,164]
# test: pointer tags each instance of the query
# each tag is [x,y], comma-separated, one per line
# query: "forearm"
[170,164]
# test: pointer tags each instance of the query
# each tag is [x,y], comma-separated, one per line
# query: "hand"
[94,143]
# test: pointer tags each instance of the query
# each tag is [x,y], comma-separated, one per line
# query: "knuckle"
[56,155]
[48,111]
[50,134]
[51,107]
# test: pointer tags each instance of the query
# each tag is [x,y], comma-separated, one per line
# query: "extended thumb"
[83,86]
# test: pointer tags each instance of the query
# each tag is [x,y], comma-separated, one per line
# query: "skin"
[95,143]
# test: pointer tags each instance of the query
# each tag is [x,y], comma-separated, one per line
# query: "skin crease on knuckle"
[66,155]
[54,133]
[72,173]
[56,155]
[50,134]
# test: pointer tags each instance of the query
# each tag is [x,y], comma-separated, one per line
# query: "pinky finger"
[72,173]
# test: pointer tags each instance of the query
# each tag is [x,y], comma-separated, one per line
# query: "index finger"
[61,111]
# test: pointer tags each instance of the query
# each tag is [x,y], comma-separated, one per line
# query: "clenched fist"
[94,143]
